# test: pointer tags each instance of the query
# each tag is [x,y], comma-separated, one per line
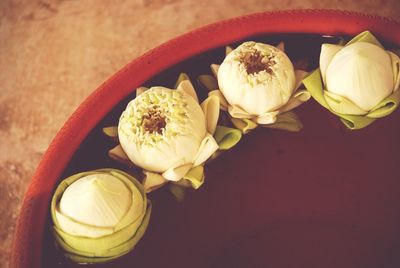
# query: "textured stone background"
[53,53]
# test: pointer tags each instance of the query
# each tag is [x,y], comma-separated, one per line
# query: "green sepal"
[195,176]
[122,249]
[227,137]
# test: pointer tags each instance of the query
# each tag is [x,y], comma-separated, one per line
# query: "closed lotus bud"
[257,77]
[361,72]
[99,215]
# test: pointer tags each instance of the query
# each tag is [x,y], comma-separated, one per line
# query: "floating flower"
[257,85]
[99,215]
[359,82]
[168,134]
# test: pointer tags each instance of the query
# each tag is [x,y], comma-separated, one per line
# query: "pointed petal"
[244,125]
[228,50]
[140,90]
[298,98]
[227,137]
[209,82]
[214,69]
[365,36]
[118,154]
[210,108]
[313,83]
[177,172]
[281,46]
[152,181]
[286,121]
[342,105]
[187,87]
[328,51]
[181,77]
[299,76]
[237,112]
[207,147]
[111,132]
[222,101]
[266,118]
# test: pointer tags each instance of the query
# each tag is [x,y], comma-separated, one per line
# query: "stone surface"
[53,53]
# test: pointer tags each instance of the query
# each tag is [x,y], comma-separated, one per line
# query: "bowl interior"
[323,196]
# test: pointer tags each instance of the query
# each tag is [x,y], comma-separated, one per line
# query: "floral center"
[254,62]
[154,121]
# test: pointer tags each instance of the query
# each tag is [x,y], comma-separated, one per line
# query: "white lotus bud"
[257,77]
[361,72]
[99,215]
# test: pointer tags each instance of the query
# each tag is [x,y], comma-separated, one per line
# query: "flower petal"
[222,101]
[266,118]
[187,87]
[365,36]
[208,81]
[182,77]
[227,137]
[281,46]
[228,49]
[387,106]
[118,154]
[111,132]
[313,83]
[244,125]
[237,112]
[299,76]
[214,69]
[298,98]
[177,172]
[195,176]
[396,69]
[140,90]
[152,181]
[328,51]
[342,105]
[207,147]
[286,121]
[210,108]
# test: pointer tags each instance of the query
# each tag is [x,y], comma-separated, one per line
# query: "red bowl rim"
[27,244]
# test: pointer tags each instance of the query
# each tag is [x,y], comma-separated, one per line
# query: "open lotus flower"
[359,81]
[99,215]
[168,134]
[257,85]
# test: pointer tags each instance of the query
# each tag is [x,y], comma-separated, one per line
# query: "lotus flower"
[99,215]
[359,81]
[169,134]
[257,85]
